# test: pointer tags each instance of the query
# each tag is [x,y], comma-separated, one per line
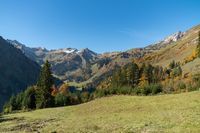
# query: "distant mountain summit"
[168,40]
[174,37]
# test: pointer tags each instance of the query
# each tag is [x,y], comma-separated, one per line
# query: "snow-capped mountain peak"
[174,37]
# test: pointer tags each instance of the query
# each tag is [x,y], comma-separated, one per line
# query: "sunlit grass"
[163,113]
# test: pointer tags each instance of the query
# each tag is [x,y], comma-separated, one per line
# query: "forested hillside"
[16,71]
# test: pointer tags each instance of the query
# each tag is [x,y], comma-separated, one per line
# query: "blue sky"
[100,25]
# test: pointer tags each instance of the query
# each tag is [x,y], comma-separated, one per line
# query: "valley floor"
[163,113]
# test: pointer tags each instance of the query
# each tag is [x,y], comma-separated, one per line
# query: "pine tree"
[19,99]
[198,46]
[130,74]
[172,65]
[44,87]
[12,103]
[29,98]
[148,73]
[136,74]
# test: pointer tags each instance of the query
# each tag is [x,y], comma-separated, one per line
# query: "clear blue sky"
[100,25]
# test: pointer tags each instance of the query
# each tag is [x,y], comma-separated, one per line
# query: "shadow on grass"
[4,119]
[21,124]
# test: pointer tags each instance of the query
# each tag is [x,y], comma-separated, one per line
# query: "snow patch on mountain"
[69,50]
[174,37]
[167,41]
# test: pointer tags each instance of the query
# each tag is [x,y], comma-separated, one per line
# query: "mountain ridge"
[17,71]
[72,65]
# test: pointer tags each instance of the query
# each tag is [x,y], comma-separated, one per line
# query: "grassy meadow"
[162,113]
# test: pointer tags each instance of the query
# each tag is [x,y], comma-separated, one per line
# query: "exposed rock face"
[68,63]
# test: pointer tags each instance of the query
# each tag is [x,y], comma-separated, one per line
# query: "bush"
[61,100]
[145,90]
[149,89]
[137,90]
[85,96]
[156,88]
[7,108]
[181,85]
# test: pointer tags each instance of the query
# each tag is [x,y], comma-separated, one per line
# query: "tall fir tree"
[136,74]
[198,46]
[130,74]
[29,98]
[148,71]
[44,87]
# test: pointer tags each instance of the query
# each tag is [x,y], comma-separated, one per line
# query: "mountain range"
[85,66]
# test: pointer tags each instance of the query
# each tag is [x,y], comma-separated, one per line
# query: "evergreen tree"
[148,73]
[198,46]
[130,74]
[44,87]
[172,65]
[156,75]
[122,77]
[29,98]
[116,78]
[12,103]
[19,99]
[136,74]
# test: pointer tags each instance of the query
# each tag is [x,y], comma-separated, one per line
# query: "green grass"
[163,113]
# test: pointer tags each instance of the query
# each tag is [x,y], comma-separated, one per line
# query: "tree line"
[138,79]
[45,94]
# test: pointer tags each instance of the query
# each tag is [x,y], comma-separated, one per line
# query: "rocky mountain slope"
[182,50]
[16,71]
[68,64]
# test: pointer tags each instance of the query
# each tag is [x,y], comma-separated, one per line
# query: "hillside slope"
[16,71]
[180,51]
[163,113]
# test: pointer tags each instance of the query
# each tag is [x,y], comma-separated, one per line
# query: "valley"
[100,66]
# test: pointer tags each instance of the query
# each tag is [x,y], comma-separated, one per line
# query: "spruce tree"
[29,98]
[148,73]
[43,92]
[130,74]
[198,46]
[136,74]
[12,103]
